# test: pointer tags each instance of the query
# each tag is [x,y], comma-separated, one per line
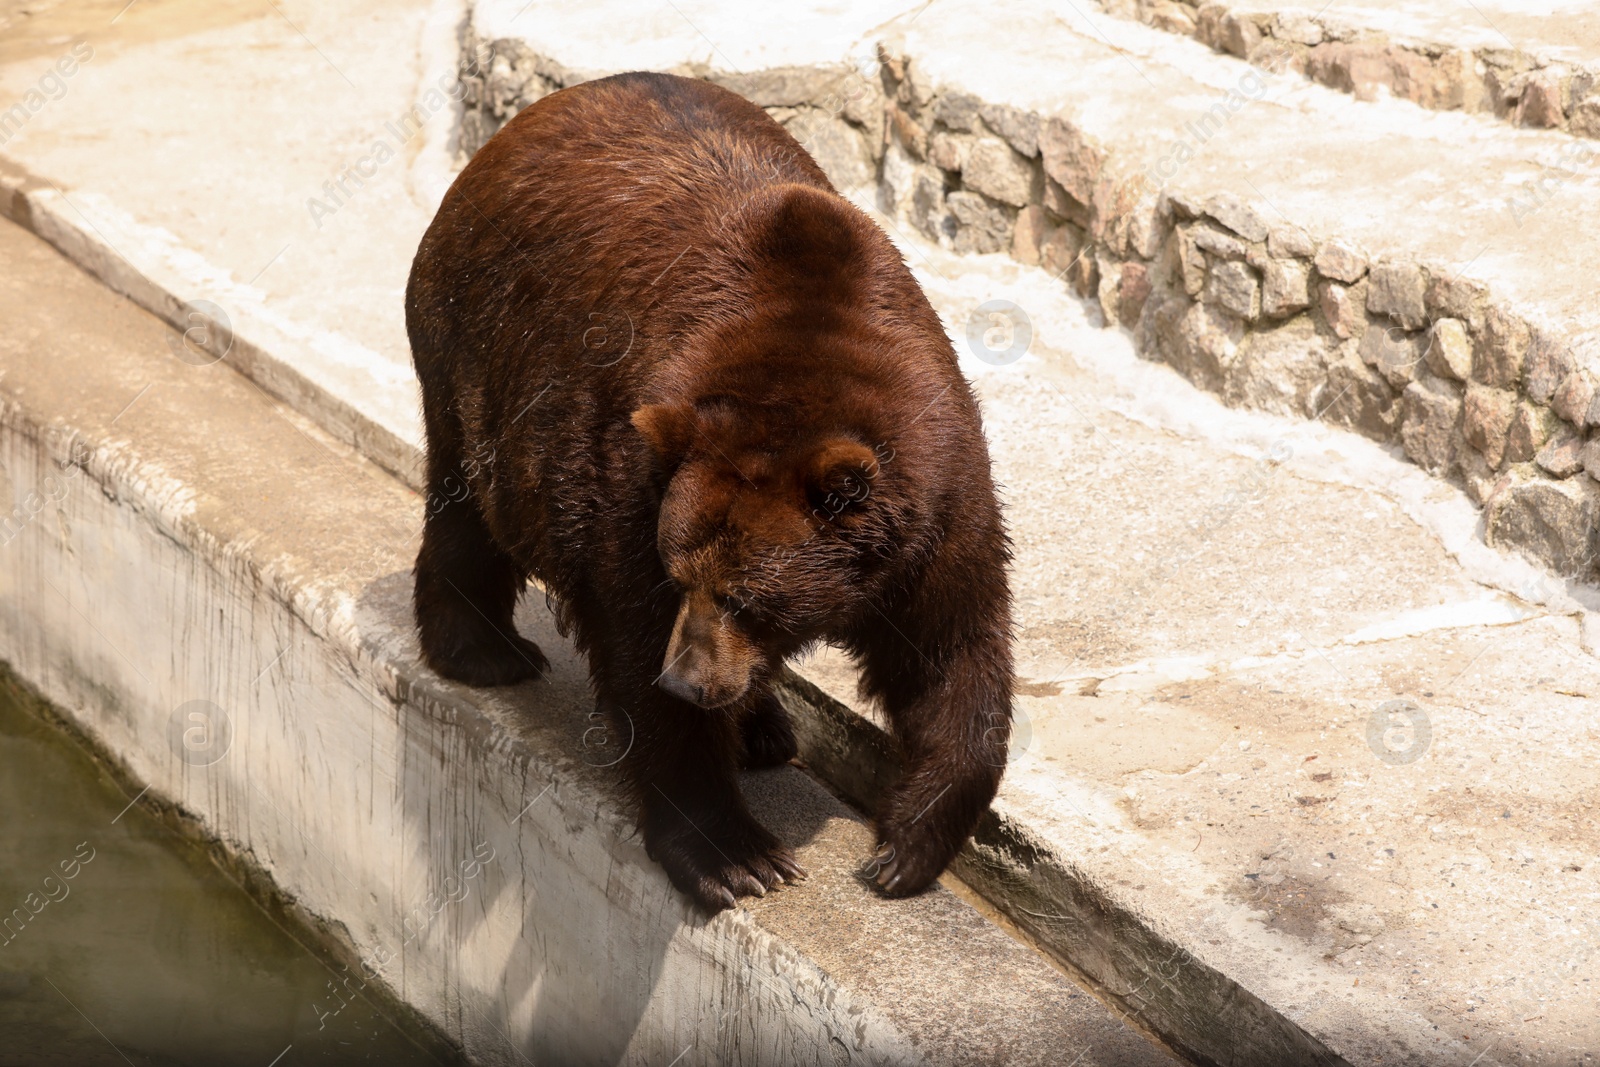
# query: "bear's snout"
[708,662]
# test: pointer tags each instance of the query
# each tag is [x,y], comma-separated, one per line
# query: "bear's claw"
[720,858]
[909,858]
[491,659]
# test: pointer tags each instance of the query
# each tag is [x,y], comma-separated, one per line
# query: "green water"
[124,944]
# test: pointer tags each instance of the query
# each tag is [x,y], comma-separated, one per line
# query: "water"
[122,943]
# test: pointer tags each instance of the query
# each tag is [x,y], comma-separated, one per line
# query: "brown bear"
[700,397]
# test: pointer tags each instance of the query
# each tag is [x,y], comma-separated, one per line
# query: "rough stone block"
[1208,21]
[1280,370]
[949,150]
[909,132]
[1240,35]
[1028,235]
[1591,458]
[1285,288]
[918,84]
[1341,261]
[841,152]
[1443,83]
[1452,296]
[1215,241]
[1430,423]
[1562,455]
[1063,205]
[1072,159]
[1585,121]
[1233,287]
[958,111]
[1133,292]
[1182,205]
[927,211]
[1501,350]
[981,226]
[1397,290]
[1554,522]
[1542,102]
[1394,353]
[1344,309]
[1573,398]
[1173,18]
[1237,216]
[897,180]
[1531,426]
[1360,69]
[1146,227]
[1060,249]
[1191,261]
[1487,420]
[1357,397]
[1019,128]
[1450,350]
[1297,27]
[1549,363]
[1199,342]
[1477,477]
[1291,242]
[812,86]
[998,171]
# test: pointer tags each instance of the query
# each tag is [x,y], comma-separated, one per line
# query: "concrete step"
[1367,264]
[1184,570]
[180,544]
[1531,65]
[1362,263]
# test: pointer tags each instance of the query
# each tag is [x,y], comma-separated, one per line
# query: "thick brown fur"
[700,397]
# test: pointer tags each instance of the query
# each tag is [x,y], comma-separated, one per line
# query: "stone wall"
[835,111]
[1269,317]
[1519,86]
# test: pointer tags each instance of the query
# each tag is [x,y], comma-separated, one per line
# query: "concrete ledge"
[1090,906]
[1131,958]
[187,547]
[353,394]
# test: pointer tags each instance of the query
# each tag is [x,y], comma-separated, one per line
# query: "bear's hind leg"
[466,592]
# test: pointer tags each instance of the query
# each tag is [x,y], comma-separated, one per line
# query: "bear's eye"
[731,604]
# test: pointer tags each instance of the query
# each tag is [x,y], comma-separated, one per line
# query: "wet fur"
[652,241]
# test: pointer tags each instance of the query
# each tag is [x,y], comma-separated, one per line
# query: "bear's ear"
[840,475]
[668,428]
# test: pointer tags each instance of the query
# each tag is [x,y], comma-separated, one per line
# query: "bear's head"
[775,534]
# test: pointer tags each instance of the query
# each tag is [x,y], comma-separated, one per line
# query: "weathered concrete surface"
[177,537]
[271,141]
[1125,169]
[1221,651]
[1169,548]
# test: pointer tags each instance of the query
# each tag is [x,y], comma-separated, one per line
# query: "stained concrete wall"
[217,593]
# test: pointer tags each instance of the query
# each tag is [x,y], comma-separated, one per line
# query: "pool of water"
[122,943]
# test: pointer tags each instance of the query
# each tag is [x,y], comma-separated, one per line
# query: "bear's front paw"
[485,657]
[716,857]
[910,854]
